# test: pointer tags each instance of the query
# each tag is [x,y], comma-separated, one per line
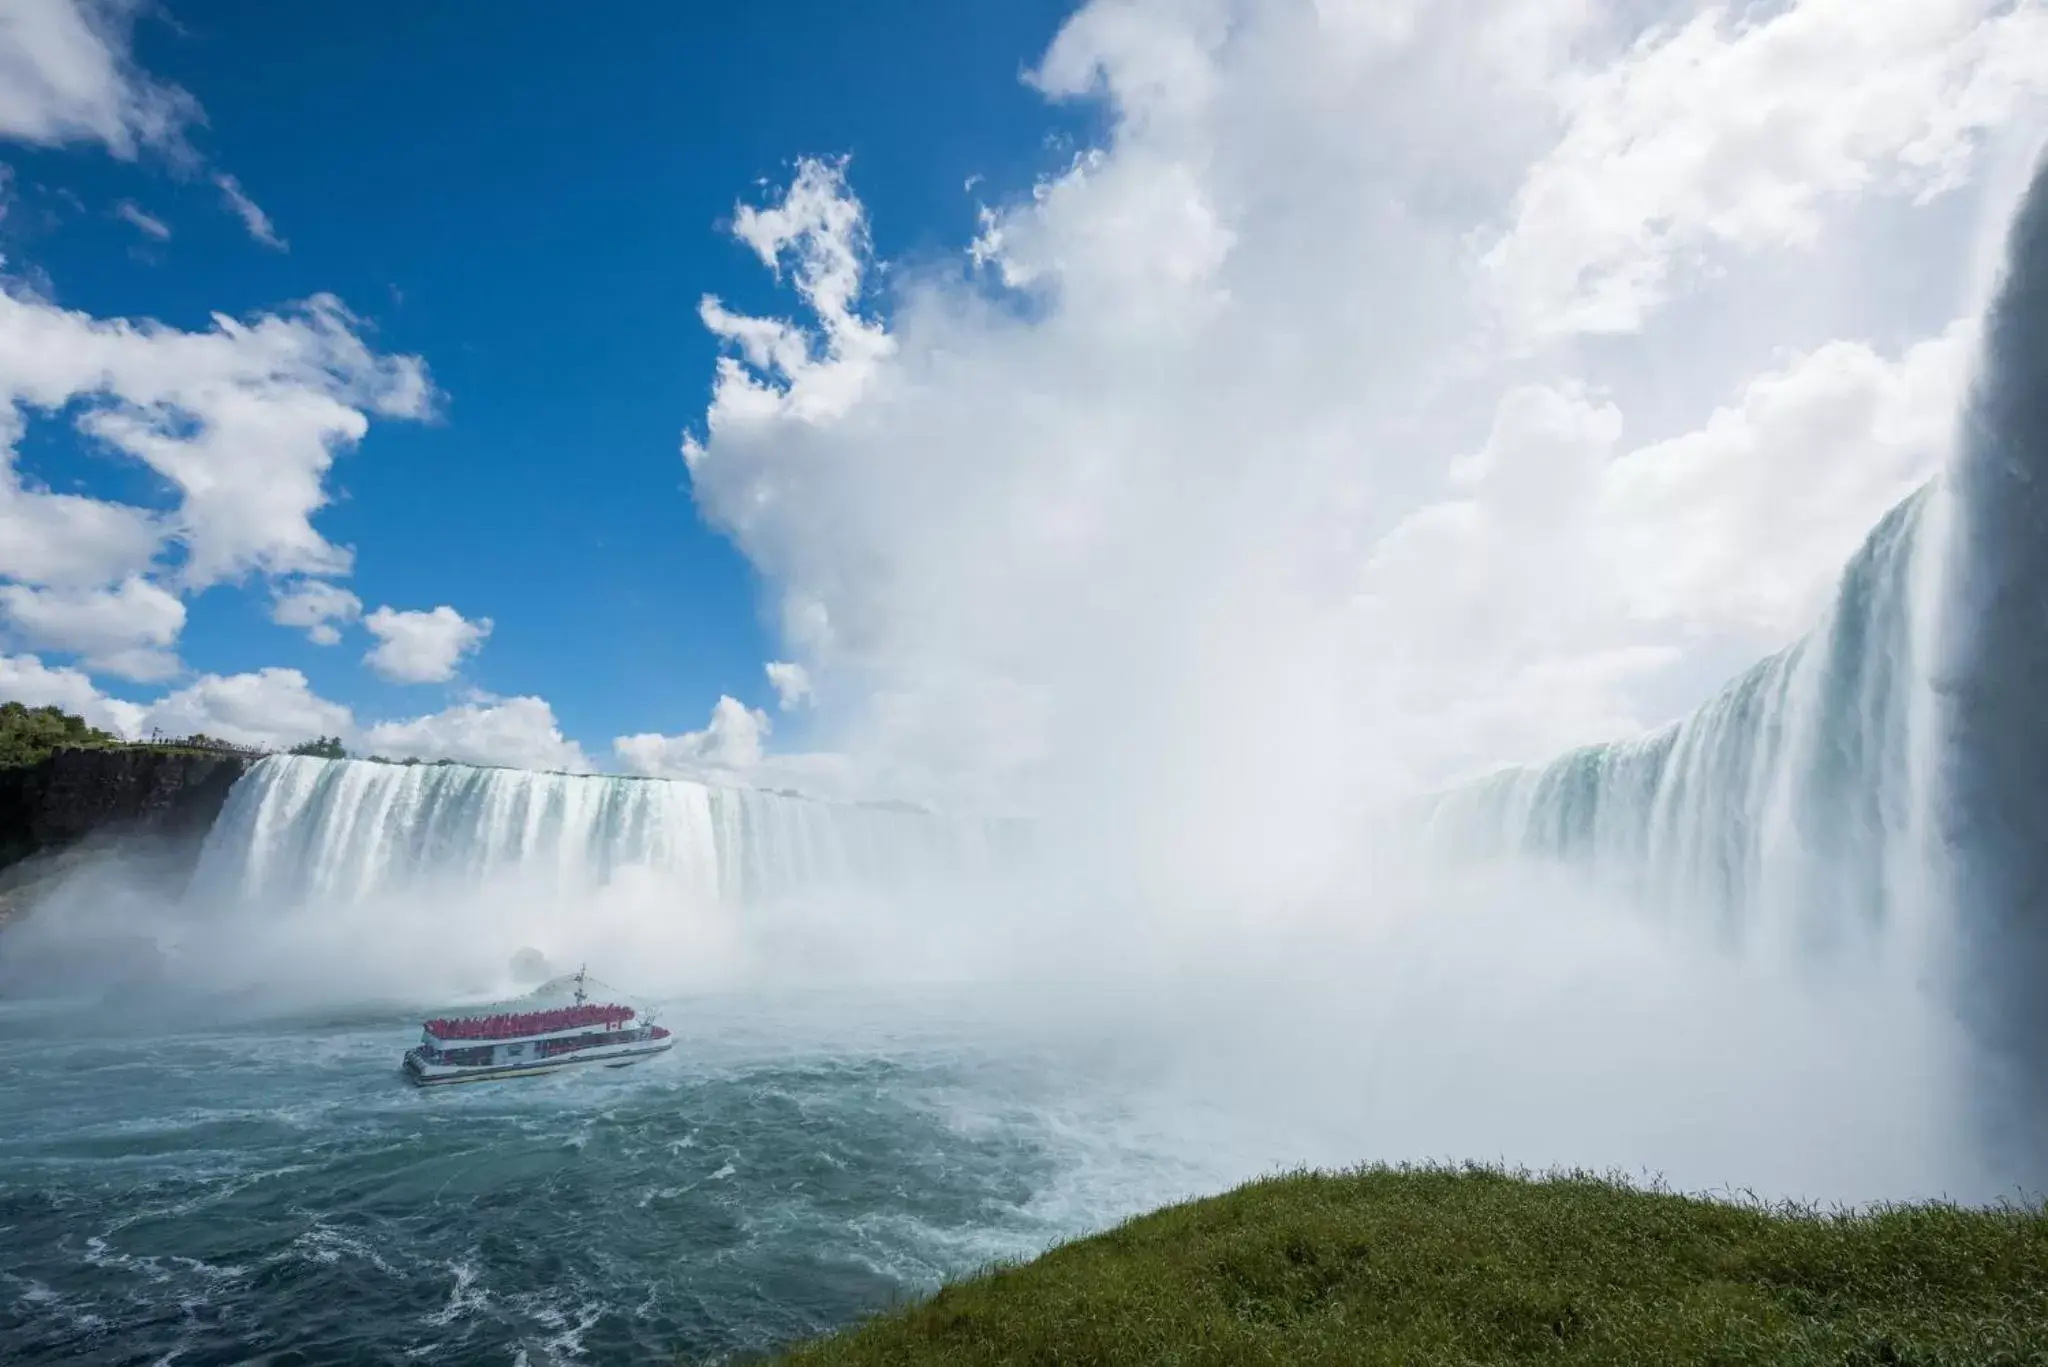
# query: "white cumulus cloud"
[244,420]
[66,76]
[1209,488]
[422,647]
[1741,128]
[729,744]
[26,679]
[50,538]
[127,631]
[275,708]
[1740,525]
[820,233]
[792,683]
[317,607]
[519,733]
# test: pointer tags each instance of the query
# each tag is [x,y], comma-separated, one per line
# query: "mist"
[1391,401]
[1500,1011]
[1305,451]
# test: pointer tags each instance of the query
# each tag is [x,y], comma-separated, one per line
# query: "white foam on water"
[466,1295]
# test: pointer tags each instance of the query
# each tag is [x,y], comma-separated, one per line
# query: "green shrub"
[29,735]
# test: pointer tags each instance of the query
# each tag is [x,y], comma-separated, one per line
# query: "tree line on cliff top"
[29,735]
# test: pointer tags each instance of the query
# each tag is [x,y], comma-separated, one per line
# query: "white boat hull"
[425,1074]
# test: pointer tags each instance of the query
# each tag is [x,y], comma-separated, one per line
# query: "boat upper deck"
[523,1024]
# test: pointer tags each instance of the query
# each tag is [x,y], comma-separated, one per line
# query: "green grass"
[1473,1265]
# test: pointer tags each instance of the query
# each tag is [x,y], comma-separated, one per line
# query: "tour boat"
[522,1043]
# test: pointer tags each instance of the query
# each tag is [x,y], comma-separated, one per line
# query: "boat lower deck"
[425,1074]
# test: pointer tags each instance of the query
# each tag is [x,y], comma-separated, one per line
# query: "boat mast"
[580,998]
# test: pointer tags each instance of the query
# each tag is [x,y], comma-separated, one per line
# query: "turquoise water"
[192,1190]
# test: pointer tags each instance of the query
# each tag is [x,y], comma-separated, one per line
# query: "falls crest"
[1792,804]
[300,831]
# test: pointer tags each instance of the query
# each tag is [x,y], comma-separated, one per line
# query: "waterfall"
[300,831]
[1994,674]
[1885,779]
[1793,804]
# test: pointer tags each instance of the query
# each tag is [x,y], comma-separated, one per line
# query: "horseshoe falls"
[1791,807]
[1879,790]
[298,830]
[350,879]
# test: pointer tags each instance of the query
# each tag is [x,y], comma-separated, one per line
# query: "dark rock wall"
[77,793]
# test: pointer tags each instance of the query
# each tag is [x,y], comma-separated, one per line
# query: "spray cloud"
[1398,391]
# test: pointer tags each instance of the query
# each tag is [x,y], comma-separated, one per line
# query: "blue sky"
[530,200]
[1257,398]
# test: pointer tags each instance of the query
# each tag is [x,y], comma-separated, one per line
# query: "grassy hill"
[1412,1266]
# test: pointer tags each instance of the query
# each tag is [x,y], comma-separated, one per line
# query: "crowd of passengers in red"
[528,1022]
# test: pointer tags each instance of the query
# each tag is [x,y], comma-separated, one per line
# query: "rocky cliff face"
[76,793]
[168,796]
